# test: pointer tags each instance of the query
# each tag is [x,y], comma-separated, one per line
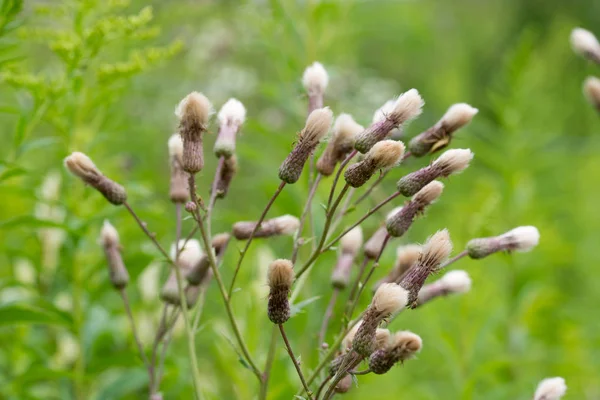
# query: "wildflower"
[551,389]
[317,125]
[407,107]
[451,162]
[406,257]
[193,113]
[83,167]
[229,169]
[439,136]
[383,155]
[402,346]
[284,225]
[315,80]
[454,282]
[341,143]
[381,113]
[399,223]
[280,279]
[585,44]
[109,238]
[231,117]
[523,239]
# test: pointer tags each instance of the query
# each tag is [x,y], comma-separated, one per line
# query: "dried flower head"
[551,389]
[373,245]
[402,346]
[231,117]
[523,239]
[280,279]
[84,168]
[178,191]
[436,250]
[341,143]
[317,126]
[351,241]
[439,136]
[399,223]
[193,113]
[190,252]
[406,257]
[284,225]
[382,338]
[349,338]
[407,107]
[389,299]
[344,385]
[585,44]
[451,162]
[350,245]
[109,238]
[456,281]
[228,171]
[591,90]
[385,154]
[381,113]
[315,78]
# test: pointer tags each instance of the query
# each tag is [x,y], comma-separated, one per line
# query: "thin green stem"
[454,259]
[327,316]
[264,385]
[213,265]
[136,337]
[305,213]
[354,288]
[295,361]
[213,193]
[249,241]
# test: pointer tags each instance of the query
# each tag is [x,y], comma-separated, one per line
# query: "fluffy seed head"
[281,273]
[408,254]
[386,154]
[551,389]
[408,106]
[175,147]
[351,241]
[317,125]
[430,193]
[286,224]
[194,107]
[389,298]
[189,255]
[382,338]
[109,235]
[523,238]
[81,165]
[453,161]
[407,342]
[315,78]
[456,281]
[591,90]
[349,338]
[457,116]
[584,42]
[437,249]
[346,128]
[232,112]
[381,113]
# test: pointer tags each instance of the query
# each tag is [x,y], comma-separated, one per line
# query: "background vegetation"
[103,77]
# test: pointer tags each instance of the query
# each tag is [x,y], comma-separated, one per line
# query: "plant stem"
[305,212]
[213,193]
[256,227]
[291,354]
[337,176]
[188,328]
[355,286]
[78,321]
[264,385]
[327,317]
[138,342]
[322,386]
[318,250]
[350,361]
[454,259]
[213,264]
[343,210]
[363,372]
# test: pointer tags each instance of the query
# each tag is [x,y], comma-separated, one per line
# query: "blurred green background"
[104,76]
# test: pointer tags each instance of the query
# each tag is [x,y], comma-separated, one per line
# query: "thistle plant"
[585,44]
[195,259]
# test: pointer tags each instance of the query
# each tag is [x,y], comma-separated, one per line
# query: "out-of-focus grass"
[535,141]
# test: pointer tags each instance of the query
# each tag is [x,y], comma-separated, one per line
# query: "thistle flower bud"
[451,162]
[439,136]
[388,299]
[551,389]
[316,128]
[280,278]
[523,239]
[84,168]
[385,154]
[193,113]
[315,80]
[284,225]
[454,282]
[380,115]
[231,117]
[407,107]
[585,44]
[436,250]
[341,143]
[109,238]
[178,191]
[591,90]
[373,245]
[229,169]
[344,385]
[350,245]
[406,257]
[399,223]
[402,346]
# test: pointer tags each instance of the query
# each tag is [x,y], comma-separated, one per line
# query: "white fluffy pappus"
[345,127]
[437,249]
[591,90]
[584,41]
[454,160]
[317,125]
[429,193]
[352,241]
[389,298]
[551,389]
[175,145]
[457,281]
[232,112]
[522,238]
[386,153]
[109,235]
[81,165]
[315,78]
[280,273]
[457,116]
[286,224]
[189,255]
[195,106]
[408,106]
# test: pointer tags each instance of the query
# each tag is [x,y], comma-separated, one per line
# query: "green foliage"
[103,77]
